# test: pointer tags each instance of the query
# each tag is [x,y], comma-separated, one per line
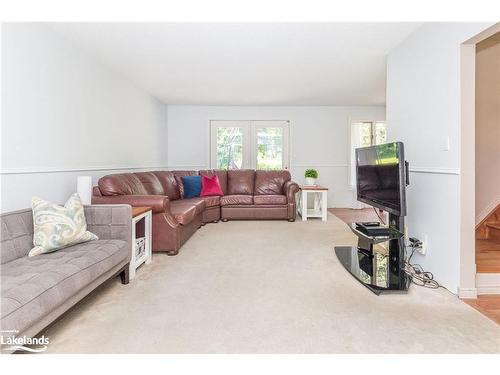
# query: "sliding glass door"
[249,144]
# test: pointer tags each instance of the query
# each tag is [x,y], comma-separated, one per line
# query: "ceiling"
[247,63]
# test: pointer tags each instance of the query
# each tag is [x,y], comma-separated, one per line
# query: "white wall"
[487,127]
[319,138]
[423,108]
[64,114]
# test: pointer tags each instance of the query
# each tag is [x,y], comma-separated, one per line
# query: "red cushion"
[210,186]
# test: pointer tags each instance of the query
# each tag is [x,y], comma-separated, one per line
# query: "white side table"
[320,208]
[146,256]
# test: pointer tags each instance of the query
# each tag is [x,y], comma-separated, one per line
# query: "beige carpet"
[266,287]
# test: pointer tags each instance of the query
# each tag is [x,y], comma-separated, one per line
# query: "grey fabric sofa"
[35,291]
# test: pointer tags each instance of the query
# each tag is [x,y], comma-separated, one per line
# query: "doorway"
[487,157]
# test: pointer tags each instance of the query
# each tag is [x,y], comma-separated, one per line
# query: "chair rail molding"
[12,171]
[319,165]
[431,170]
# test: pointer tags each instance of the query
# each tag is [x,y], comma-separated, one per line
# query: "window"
[364,134]
[249,144]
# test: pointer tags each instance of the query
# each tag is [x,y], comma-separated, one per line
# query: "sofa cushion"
[151,183]
[191,186]
[56,227]
[240,182]
[184,212]
[178,177]
[228,200]
[33,287]
[197,202]
[270,182]
[121,184]
[270,199]
[212,201]
[16,235]
[169,184]
[210,186]
[221,174]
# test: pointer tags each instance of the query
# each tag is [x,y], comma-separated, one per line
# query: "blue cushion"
[192,186]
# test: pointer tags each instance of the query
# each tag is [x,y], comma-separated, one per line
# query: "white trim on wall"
[488,283]
[467,293]
[310,165]
[455,171]
[70,170]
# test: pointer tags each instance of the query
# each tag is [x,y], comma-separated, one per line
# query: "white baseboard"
[467,293]
[488,283]
[486,211]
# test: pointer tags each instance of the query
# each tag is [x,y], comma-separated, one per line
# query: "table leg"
[149,237]
[304,205]
[131,267]
[324,206]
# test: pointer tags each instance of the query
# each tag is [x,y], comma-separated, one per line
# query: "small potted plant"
[311,176]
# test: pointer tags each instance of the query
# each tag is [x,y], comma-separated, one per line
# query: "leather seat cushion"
[183,212]
[212,201]
[270,199]
[198,202]
[270,182]
[228,200]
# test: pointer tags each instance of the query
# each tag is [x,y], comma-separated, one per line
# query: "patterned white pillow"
[56,227]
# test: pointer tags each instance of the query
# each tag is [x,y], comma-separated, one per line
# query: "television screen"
[380,172]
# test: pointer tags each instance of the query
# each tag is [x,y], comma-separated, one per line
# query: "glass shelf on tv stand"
[379,271]
[394,234]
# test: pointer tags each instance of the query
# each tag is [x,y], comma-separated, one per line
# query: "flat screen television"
[382,176]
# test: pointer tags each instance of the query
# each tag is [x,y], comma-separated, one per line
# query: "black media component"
[378,259]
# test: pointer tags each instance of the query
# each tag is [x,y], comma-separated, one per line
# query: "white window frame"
[249,131]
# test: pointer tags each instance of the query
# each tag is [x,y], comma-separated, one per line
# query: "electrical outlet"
[425,245]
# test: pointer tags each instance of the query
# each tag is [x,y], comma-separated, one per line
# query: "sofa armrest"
[158,203]
[110,222]
[291,188]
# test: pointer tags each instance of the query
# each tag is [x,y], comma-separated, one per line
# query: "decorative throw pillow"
[210,186]
[56,226]
[192,186]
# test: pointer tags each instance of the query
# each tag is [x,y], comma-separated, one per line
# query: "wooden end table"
[320,209]
[141,216]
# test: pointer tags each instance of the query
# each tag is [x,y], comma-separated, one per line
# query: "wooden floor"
[487,256]
[487,304]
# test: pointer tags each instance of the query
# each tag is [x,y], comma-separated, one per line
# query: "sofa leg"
[172,252]
[215,221]
[125,275]
[224,220]
[203,224]
[291,220]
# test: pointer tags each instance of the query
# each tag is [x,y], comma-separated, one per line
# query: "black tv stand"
[380,270]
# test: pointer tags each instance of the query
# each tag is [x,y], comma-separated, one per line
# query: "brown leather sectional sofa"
[248,194]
